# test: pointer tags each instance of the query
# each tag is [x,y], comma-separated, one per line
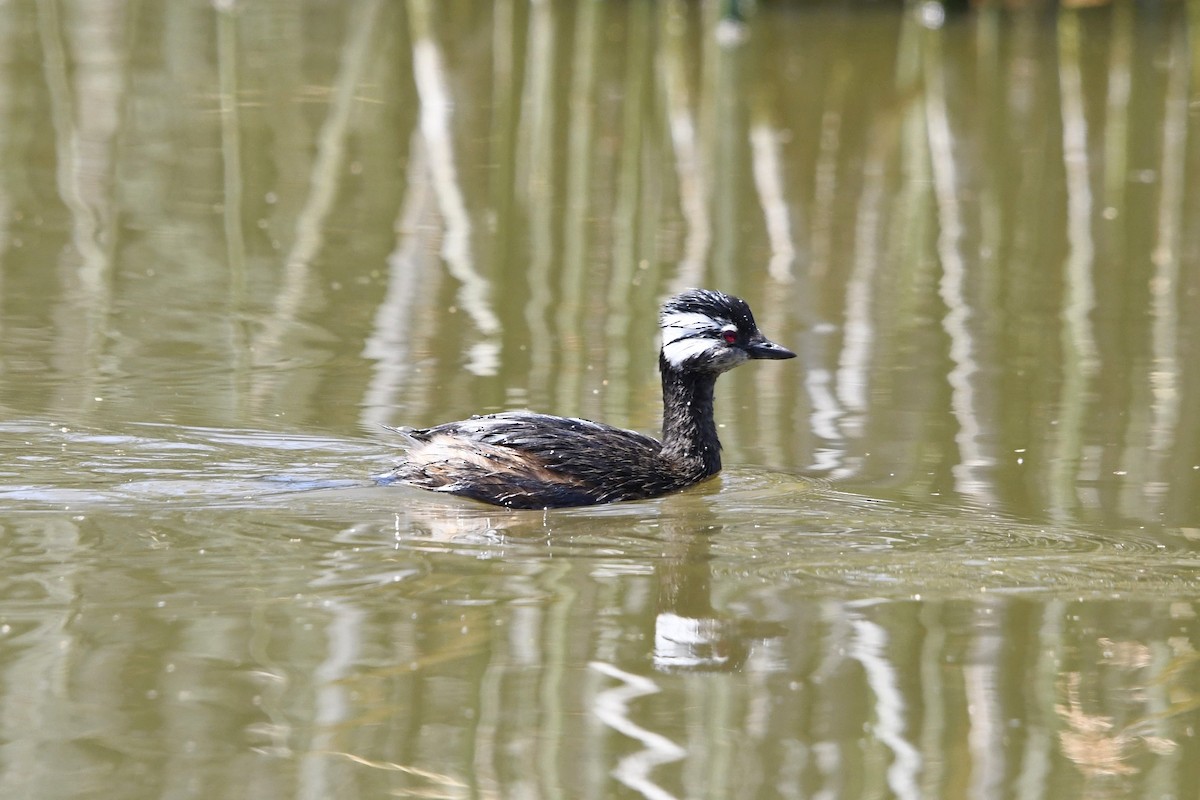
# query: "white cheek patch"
[682,324]
[679,351]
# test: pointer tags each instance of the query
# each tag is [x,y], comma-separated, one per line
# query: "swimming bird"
[521,459]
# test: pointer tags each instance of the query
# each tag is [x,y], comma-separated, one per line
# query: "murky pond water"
[955,550]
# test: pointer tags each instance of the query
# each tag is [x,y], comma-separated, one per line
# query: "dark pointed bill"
[764,348]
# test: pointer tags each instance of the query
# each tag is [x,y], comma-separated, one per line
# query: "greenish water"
[956,548]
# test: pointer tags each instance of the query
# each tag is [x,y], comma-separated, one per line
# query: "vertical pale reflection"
[1116,117]
[8,82]
[1192,23]
[487,742]
[1039,743]
[1117,150]
[83,144]
[768,181]
[913,220]
[332,701]
[85,113]
[1162,736]
[429,74]
[993,233]
[968,472]
[868,647]
[1079,346]
[611,706]
[327,170]
[231,153]
[231,147]
[773,410]
[519,647]
[723,124]
[858,327]
[409,278]
[625,215]
[818,377]
[935,702]
[981,678]
[826,178]
[576,222]
[556,636]
[714,718]
[772,399]
[689,165]
[536,160]
[1164,286]
[826,412]
[36,677]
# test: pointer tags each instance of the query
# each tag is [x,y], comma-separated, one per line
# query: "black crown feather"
[717,305]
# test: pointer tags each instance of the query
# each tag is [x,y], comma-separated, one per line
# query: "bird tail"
[409,436]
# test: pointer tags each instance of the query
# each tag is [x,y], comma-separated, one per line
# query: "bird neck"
[689,428]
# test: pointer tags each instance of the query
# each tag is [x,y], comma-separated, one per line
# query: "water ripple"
[755,526]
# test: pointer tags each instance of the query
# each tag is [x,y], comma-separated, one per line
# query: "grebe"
[521,459]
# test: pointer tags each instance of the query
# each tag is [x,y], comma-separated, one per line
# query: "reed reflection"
[976,228]
[690,633]
[824,691]
[991,315]
[984,286]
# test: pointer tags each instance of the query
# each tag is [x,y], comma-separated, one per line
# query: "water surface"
[955,549]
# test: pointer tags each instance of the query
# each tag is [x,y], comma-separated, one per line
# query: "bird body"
[522,459]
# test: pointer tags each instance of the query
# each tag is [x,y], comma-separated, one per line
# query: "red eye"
[730,337]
